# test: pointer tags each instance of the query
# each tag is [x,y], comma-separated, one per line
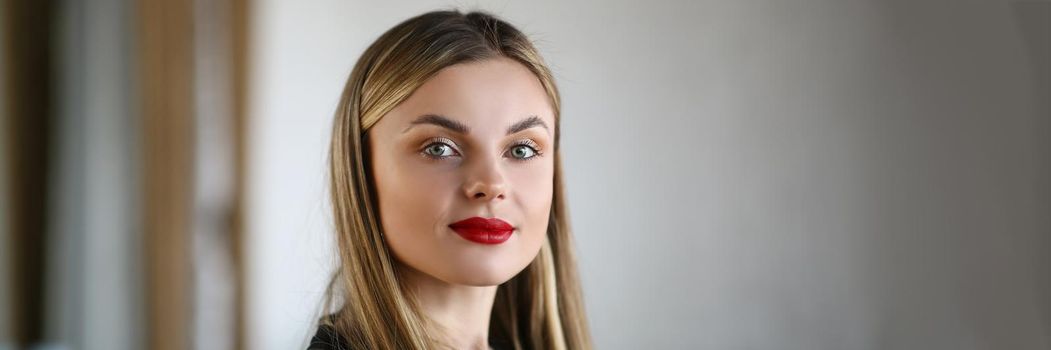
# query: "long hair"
[539,308]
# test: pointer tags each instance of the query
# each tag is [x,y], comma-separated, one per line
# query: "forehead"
[487,96]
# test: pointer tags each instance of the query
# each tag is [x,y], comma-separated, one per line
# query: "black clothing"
[326,338]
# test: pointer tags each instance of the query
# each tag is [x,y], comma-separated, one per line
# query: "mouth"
[482,230]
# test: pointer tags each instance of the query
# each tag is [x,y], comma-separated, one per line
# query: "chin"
[482,275]
[482,282]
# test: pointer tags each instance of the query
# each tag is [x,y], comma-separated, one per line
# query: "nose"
[485,182]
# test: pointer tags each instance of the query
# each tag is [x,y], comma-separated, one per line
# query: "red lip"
[482,230]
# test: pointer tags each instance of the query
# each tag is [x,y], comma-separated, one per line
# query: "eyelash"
[538,152]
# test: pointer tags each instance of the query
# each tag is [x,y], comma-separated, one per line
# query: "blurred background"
[755,174]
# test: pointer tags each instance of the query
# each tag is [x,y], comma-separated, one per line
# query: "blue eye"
[439,149]
[524,151]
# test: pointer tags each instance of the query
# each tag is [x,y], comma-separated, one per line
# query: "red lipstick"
[482,230]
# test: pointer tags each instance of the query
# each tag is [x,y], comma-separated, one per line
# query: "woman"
[447,195]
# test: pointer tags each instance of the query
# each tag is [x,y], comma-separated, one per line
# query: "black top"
[326,338]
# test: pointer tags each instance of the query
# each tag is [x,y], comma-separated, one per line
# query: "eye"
[440,148]
[524,150]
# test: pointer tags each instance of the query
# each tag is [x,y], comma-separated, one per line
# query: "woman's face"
[476,140]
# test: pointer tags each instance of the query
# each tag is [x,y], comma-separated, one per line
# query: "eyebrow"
[527,123]
[441,121]
[456,126]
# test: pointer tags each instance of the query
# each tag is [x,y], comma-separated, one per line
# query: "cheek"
[412,196]
[533,186]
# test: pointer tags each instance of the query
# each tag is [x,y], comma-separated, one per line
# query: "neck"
[460,313]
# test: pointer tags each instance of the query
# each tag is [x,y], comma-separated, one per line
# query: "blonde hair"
[541,307]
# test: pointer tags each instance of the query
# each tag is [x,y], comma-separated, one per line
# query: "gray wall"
[741,174]
[94,267]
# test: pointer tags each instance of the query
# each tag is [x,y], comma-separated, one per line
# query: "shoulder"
[327,338]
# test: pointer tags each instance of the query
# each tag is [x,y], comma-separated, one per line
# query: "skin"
[428,176]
